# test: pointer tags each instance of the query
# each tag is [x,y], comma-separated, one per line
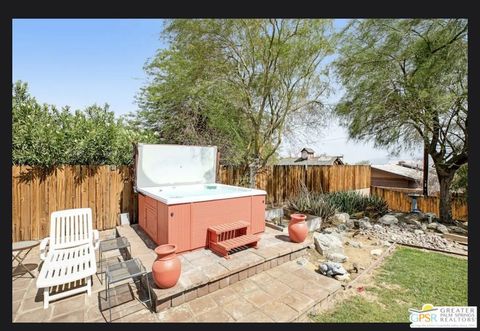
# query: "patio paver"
[256,285]
[260,298]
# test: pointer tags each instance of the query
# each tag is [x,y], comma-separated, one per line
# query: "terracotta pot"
[297,228]
[167,267]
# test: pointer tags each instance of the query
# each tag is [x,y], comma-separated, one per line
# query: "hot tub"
[178,198]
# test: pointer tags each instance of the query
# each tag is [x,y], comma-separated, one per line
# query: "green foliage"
[46,136]
[311,203]
[402,77]
[406,87]
[234,83]
[353,202]
[460,181]
[409,279]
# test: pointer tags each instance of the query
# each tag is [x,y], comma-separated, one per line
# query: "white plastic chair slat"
[77,230]
[68,234]
[71,251]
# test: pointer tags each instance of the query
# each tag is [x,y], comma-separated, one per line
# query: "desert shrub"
[353,202]
[376,206]
[311,203]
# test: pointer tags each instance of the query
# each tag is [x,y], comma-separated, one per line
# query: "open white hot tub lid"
[176,174]
[165,165]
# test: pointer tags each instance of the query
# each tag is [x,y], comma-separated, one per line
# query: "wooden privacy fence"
[400,201]
[37,192]
[282,182]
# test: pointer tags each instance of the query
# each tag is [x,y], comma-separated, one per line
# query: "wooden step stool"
[223,238]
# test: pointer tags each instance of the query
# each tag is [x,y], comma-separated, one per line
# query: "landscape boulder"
[376,252]
[327,243]
[412,218]
[340,218]
[388,219]
[332,269]
[457,230]
[442,228]
[364,223]
[432,226]
[314,223]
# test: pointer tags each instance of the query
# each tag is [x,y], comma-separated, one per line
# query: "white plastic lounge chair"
[71,253]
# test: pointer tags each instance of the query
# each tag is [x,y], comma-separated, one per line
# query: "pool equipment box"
[178,197]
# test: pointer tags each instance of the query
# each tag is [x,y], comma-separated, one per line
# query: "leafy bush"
[311,203]
[46,136]
[353,202]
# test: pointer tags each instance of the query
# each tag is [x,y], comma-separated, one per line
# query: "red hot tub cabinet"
[179,199]
[185,225]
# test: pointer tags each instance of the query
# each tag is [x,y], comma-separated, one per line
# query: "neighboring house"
[403,175]
[308,158]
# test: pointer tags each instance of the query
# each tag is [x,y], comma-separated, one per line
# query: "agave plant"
[353,202]
[322,207]
[302,202]
[311,203]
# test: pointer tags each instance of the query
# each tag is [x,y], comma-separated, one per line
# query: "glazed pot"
[167,267]
[297,228]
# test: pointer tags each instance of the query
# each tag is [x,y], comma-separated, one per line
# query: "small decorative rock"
[430,217]
[342,227]
[350,224]
[376,252]
[354,244]
[302,261]
[337,257]
[419,232]
[378,227]
[340,218]
[329,230]
[364,224]
[388,219]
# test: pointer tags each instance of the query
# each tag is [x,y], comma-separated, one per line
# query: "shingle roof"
[400,170]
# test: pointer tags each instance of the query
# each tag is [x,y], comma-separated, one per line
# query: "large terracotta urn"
[167,267]
[297,228]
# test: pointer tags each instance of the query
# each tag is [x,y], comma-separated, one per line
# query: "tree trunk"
[253,177]
[445,180]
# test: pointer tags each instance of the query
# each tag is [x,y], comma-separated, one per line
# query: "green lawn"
[408,279]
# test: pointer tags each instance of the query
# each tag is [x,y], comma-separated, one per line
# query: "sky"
[79,62]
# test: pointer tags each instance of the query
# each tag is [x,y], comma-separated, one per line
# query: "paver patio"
[256,294]
[265,297]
